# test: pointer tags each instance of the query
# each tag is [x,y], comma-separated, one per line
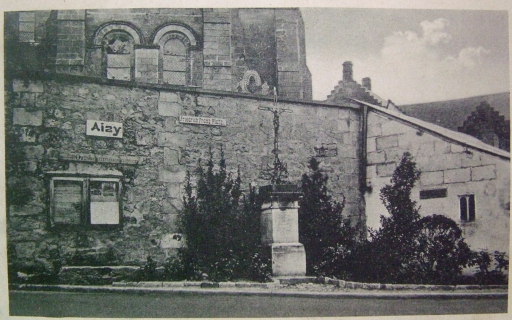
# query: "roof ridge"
[452,135]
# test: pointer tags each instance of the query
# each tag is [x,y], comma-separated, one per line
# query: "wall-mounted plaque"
[203,120]
[326,150]
[104,129]
[89,157]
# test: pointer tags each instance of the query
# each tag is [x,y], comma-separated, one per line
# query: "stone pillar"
[280,229]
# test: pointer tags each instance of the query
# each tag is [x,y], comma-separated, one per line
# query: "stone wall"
[238,50]
[445,164]
[46,120]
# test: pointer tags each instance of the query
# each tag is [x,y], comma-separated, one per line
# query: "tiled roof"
[455,136]
[452,113]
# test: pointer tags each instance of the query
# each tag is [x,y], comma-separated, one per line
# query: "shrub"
[483,261]
[221,225]
[148,271]
[408,248]
[328,238]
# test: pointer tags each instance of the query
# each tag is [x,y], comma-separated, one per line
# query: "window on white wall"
[84,201]
[467,208]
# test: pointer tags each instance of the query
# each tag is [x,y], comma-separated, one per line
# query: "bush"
[261,266]
[148,271]
[483,261]
[321,225]
[408,248]
[221,225]
[411,249]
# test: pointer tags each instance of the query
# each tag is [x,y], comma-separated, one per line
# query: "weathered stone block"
[34,152]
[441,162]
[386,169]
[172,240]
[288,259]
[166,139]
[376,157]
[394,155]
[371,144]
[168,96]
[169,109]
[455,148]
[432,178]
[427,149]
[168,176]
[24,117]
[25,250]
[457,175]
[394,127]
[344,125]
[26,134]
[387,142]
[171,157]
[31,86]
[144,138]
[483,173]
[441,146]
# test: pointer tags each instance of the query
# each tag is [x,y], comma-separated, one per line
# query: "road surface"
[198,305]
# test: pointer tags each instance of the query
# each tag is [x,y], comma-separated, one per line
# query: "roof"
[451,114]
[455,136]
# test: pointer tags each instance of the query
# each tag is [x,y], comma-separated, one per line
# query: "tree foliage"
[221,225]
[411,249]
[407,248]
[321,226]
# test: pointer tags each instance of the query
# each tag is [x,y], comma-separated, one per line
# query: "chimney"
[367,83]
[347,71]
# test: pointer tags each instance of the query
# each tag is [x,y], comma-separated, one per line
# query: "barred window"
[174,62]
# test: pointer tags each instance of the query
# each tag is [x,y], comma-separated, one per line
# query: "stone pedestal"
[280,229]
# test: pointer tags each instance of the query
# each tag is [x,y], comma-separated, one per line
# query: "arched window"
[117,41]
[175,62]
[176,57]
[118,52]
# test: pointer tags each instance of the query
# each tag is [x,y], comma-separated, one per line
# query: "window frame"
[85,214]
[131,55]
[185,41]
[469,216]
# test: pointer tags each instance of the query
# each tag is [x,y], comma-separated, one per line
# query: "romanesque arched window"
[117,42]
[175,61]
[118,50]
[175,56]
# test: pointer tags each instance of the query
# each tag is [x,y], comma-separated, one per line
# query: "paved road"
[197,305]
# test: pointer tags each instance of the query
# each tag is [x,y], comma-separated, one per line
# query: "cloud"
[419,67]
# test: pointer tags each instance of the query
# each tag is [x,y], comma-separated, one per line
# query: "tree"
[220,224]
[321,225]
[408,248]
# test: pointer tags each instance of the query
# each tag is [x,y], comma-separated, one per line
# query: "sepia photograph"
[223,160]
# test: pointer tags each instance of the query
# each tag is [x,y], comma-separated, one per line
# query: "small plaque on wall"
[203,120]
[326,150]
[104,129]
[434,193]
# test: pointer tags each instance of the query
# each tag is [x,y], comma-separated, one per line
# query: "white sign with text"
[104,129]
[202,120]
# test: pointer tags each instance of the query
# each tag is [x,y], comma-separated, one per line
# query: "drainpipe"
[363,154]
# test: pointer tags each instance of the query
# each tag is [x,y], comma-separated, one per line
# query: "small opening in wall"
[467,208]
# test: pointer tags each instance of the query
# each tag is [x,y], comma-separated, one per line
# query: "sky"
[411,56]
